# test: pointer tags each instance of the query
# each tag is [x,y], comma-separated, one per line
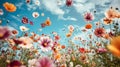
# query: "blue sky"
[60,15]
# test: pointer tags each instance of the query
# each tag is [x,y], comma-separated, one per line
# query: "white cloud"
[68,18]
[81,8]
[51,5]
[116,4]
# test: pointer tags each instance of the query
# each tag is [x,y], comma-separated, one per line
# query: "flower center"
[1,35]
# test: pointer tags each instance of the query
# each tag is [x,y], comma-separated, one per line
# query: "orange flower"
[111,13]
[107,21]
[106,36]
[57,56]
[88,26]
[9,7]
[68,34]
[48,22]
[63,46]
[115,46]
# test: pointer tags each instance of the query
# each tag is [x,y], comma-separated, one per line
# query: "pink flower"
[99,32]
[101,50]
[45,62]
[24,20]
[15,63]
[69,2]
[46,43]
[4,33]
[88,17]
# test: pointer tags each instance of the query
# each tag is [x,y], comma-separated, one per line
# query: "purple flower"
[15,63]
[4,33]
[88,17]
[45,62]
[45,43]
[101,50]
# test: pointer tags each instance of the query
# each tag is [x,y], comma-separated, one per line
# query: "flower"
[26,42]
[69,2]
[68,34]
[114,47]
[107,21]
[45,43]
[45,62]
[71,28]
[48,22]
[35,14]
[32,63]
[99,32]
[81,50]
[101,50]
[88,17]
[24,20]
[15,63]
[111,13]
[9,7]
[43,25]
[23,28]
[88,26]
[14,32]
[4,33]
[31,23]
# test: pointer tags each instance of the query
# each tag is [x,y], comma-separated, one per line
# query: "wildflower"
[4,33]
[101,50]
[45,43]
[48,22]
[69,2]
[23,28]
[26,42]
[114,47]
[107,21]
[111,13]
[9,7]
[15,63]
[35,14]
[45,62]
[81,50]
[99,32]
[14,32]
[71,28]
[24,20]
[88,26]
[88,17]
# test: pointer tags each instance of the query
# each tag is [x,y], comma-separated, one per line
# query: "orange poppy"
[63,46]
[88,26]
[68,34]
[107,21]
[114,47]
[9,7]
[48,22]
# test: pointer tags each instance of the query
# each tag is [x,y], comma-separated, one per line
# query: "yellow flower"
[9,7]
[114,47]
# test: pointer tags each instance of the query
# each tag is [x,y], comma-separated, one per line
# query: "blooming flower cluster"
[100,47]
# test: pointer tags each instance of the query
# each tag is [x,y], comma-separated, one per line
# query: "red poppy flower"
[82,50]
[69,2]
[31,23]
[24,20]
[57,37]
